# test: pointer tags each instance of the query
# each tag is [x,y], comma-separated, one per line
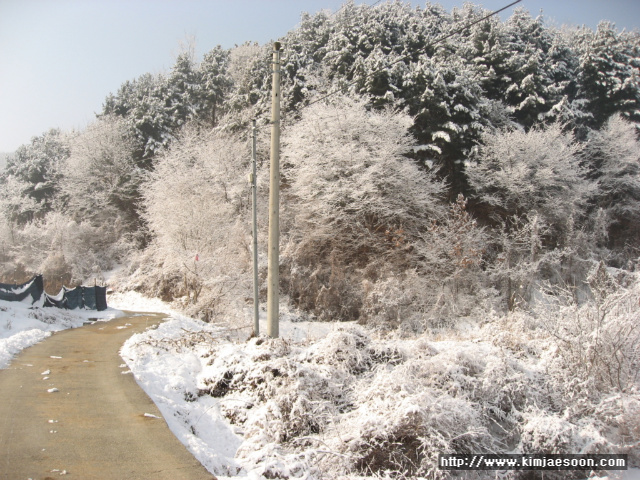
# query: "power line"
[406,57]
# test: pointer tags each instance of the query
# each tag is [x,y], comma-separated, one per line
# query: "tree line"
[443,177]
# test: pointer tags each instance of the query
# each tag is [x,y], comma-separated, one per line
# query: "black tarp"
[34,288]
[88,298]
[55,300]
[74,298]
[101,298]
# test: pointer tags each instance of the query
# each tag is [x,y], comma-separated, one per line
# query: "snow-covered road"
[69,405]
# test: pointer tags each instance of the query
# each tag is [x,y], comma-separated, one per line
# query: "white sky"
[60,58]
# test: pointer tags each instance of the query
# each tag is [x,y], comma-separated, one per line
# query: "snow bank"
[350,403]
[23,325]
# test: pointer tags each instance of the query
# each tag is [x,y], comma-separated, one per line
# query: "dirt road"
[89,419]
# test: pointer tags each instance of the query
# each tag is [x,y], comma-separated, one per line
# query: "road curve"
[98,425]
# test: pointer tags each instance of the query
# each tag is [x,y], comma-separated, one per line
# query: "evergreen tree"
[32,175]
[609,75]
[216,84]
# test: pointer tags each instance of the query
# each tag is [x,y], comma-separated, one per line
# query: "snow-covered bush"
[353,200]
[452,253]
[599,341]
[396,300]
[518,172]
[353,404]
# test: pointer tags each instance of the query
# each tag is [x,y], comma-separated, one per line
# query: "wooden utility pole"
[254,214]
[273,274]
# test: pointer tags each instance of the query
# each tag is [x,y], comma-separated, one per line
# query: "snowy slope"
[311,403]
[338,404]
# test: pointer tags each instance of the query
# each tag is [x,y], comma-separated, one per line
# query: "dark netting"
[101,298]
[56,300]
[74,298]
[34,288]
[89,298]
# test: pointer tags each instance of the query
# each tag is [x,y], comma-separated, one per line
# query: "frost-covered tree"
[452,252]
[613,153]
[250,73]
[157,106]
[518,256]
[216,84]
[195,206]
[183,89]
[609,74]
[30,181]
[520,173]
[353,199]
[142,102]
[100,179]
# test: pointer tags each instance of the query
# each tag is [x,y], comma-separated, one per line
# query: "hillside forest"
[492,177]
[481,170]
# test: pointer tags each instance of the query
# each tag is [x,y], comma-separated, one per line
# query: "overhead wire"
[402,58]
[410,55]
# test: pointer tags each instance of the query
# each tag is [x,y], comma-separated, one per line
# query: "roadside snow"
[133,301]
[23,325]
[306,405]
[168,363]
[325,398]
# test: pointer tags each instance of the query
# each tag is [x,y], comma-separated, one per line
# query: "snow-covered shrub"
[451,252]
[548,432]
[354,203]
[396,301]
[598,342]
[518,172]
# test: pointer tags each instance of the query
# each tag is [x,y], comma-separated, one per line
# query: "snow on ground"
[168,363]
[339,401]
[324,401]
[23,324]
[135,302]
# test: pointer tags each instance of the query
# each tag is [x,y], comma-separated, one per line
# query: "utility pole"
[254,201]
[273,274]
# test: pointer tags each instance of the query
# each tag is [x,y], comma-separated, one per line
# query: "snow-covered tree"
[100,177]
[216,83]
[452,253]
[142,102]
[157,106]
[613,153]
[609,75]
[354,200]
[30,181]
[520,173]
[195,206]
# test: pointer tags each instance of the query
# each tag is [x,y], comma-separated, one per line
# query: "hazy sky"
[60,58]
